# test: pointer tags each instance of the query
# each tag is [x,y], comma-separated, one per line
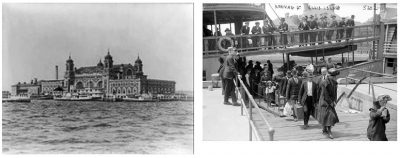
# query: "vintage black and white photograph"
[106,78]
[299,71]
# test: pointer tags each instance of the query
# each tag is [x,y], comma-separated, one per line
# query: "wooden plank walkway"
[352,127]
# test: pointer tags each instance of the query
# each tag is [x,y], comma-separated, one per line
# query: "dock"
[225,122]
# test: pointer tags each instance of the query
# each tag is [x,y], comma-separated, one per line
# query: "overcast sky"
[36,37]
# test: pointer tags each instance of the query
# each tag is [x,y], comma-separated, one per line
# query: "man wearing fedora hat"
[256,30]
[327,96]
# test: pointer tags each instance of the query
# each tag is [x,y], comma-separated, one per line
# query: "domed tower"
[100,64]
[139,66]
[108,61]
[69,73]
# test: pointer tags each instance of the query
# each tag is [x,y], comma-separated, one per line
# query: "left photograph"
[97,78]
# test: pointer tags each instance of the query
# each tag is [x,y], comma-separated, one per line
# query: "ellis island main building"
[120,80]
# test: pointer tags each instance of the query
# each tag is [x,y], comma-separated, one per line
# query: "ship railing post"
[250,119]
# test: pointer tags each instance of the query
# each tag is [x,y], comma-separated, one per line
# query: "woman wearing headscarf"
[379,116]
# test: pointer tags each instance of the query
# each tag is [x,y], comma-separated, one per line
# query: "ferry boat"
[141,98]
[266,124]
[17,99]
[75,97]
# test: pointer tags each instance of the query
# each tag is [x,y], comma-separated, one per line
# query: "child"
[379,116]
[269,92]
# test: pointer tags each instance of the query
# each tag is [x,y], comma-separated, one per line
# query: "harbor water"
[48,126]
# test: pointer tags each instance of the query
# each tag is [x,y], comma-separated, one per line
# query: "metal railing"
[370,83]
[217,44]
[389,48]
[242,93]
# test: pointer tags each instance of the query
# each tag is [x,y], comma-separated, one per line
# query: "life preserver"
[220,43]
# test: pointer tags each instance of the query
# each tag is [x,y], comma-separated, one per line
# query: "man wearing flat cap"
[333,24]
[268,30]
[349,31]
[256,30]
[245,30]
[340,31]
[283,27]
[313,26]
[322,24]
[229,74]
[304,26]
[308,96]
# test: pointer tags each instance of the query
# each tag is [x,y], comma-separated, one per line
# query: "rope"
[274,11]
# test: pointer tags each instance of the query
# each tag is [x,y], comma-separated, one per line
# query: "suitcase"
[299,111]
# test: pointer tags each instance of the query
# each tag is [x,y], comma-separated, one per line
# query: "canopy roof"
[231,12]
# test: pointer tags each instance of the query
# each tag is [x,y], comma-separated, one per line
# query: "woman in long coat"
[379,116]
[326,113]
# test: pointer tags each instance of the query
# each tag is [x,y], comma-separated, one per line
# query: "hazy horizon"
[36,37]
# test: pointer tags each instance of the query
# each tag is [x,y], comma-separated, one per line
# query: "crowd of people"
[314,93]
[266,35]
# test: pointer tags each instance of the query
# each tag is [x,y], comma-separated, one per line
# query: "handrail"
[370,84]
[293,38]
[371,72]
[252,102]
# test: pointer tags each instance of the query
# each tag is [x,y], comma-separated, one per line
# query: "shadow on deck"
[352,127]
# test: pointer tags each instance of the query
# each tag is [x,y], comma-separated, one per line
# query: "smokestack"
[56,72]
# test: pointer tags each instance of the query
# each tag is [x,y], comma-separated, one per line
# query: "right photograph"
[299,72]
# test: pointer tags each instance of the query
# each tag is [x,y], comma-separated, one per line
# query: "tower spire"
[108,51]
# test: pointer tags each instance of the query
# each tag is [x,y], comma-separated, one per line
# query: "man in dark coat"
[308,96]
[221,73]
[322,24]
[304,26]
[283,28]
[229,74]
[349,31]
[283,83]
[340,31]
[268,30]
[292,91]
[245,30]
[333,24]
[256,30]
[379,116]
[327,91]
[270,67]
[313,26]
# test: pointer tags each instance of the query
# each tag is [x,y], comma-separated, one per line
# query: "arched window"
[79,85]
[90,84]
[129,72]
[129,90]
[119,91]
[99,84]
[123,91]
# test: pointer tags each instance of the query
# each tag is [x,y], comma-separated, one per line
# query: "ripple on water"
[96,127]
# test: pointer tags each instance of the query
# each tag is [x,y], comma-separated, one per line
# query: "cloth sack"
[287,110]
